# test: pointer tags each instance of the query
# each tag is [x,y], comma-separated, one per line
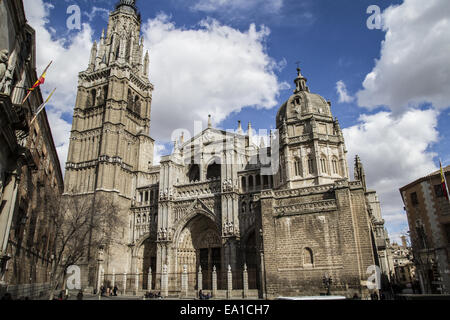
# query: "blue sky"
[393,97]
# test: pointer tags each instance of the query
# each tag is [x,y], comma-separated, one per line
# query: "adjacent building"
[428,212]
[221,205]
[29,164]
[403,262]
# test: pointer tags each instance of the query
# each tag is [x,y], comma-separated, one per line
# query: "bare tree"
[422,256]
[73,219]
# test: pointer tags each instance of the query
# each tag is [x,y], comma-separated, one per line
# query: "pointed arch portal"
[199,244]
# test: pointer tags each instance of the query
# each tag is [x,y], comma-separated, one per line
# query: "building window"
[194,173]
[244,185]
[323,165]
[414,199]
[308,257]
[438,191]
[214,171]
[298,167]
[250,183]
[335,166]
[311,166]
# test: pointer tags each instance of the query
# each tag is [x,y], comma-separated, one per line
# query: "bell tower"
[110,143]
[312,147]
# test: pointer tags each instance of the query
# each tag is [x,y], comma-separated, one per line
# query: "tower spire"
[300,82]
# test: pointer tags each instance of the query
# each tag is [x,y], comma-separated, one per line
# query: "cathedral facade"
[286,213]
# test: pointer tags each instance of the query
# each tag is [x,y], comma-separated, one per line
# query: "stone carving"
[164,234]
[228,185]
[3,63]
[2,178]
[228,229]
[5,72]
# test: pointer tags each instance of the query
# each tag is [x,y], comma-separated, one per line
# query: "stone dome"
[302,103]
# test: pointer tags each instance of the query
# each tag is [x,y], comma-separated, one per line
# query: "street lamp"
[327,281]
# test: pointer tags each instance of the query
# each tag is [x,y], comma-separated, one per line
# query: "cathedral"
[285,212]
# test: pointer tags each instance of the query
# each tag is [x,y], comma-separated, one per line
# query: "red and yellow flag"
[444,182]
[40,81]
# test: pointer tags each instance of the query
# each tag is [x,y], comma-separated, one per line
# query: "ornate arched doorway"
[199,244]
[149,261]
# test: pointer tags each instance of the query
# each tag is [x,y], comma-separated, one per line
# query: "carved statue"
[5,72]
[3,63]
[2,178]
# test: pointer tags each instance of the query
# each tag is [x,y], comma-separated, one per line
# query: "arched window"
[243,184]
[117,51]
[105,94]
[308,257]
[323,164]
[298,167]
[250,183]
[194,173]
[243,207]
[214,170]
[137,105]
[311,166]
[258,181]
[130,100]
[93,98]
[335,165]
[265,182]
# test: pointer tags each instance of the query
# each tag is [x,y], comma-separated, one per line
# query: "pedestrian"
[80,295]
[115,290]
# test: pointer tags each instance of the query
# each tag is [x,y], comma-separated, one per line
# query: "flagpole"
[29,91]
[445,180]
[41,107]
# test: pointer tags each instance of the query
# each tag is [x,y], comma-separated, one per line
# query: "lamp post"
[327,281]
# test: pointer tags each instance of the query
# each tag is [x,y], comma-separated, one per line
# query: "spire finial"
[209,121]
[300,81]
[239,127]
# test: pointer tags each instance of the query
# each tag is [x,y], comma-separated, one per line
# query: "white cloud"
[341,90]
[394,152]
[414,63]
[61,134]
[160,151]
[214,69]
[68,55]
[104,13]
[231,6]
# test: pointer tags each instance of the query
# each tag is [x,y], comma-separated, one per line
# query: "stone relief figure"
[100,97]
[5,72]
[2,179]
